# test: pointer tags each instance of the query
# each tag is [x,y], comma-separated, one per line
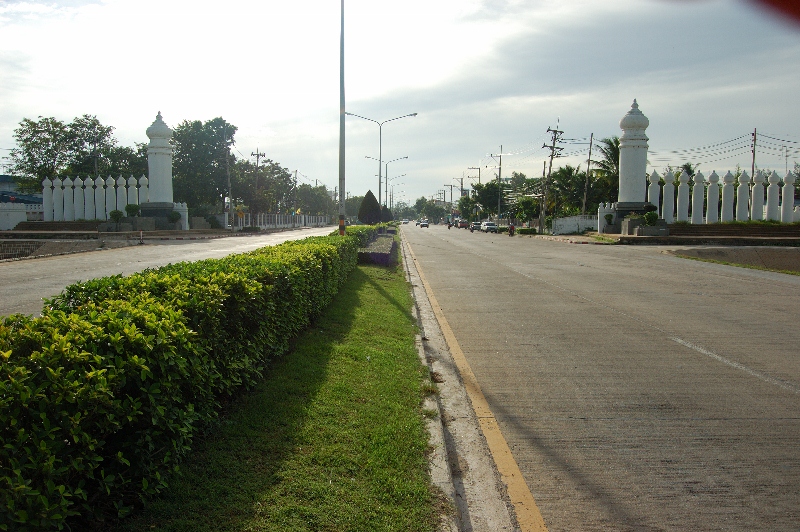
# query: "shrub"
[116,216]
[132,210]
[173,217]
[650,218]
[102,396]
[526,231]
[369,211]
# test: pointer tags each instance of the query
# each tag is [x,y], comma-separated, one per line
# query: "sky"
[480,74]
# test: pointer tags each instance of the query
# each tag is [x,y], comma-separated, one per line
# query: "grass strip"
[333,439]
[739,265]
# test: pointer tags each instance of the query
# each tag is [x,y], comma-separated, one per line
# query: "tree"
[466,205]
[486,196]
[202,150]
[42,152]
[404,211]
[566,191]
[352,204]
[315,200]
[370,211]
[386,214]
[607,170]
[91,143]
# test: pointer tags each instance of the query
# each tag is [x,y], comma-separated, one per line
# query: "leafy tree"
[315,200]
[566,190]
[202,150]
[485,194]
[42,152]
[352,205]
[404,211]
[370,211]
[466,205]
[527,208]
[607,168]
[90,145]
[386,214]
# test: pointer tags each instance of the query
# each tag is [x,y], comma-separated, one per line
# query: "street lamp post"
[386,175]
[380,144]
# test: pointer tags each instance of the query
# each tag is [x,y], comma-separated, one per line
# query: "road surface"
[636,390]
[23,284]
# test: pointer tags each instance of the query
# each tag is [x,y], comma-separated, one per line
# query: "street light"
[380,144]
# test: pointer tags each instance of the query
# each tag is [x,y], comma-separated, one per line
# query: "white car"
[489,227]
[423,223]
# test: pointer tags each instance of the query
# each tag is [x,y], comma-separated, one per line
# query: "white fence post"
[773,197]
[727,197]
[78,212]
[743,198]
[654,190]
[111,197]
[683,197]
[58,200]
[99,199]
[787,206]
[47,199]
[698,191]
[69,200]
[668,195]
[712,203]
[133,194]
[88,199]
[757,202]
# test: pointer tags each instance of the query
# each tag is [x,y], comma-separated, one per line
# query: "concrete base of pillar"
[159,212]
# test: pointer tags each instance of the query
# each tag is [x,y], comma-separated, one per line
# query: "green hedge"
[102,396]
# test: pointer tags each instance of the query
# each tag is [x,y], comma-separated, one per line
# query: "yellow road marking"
[528,515]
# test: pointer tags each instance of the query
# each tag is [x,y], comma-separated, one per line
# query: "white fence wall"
[574,224]
[90,199]
[280,221]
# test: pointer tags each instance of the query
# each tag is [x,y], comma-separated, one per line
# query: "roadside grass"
[749,266]
[333,439]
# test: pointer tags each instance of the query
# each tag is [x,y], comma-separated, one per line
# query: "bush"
[132,210]
[650,218]
[174,217]
[116,216]
[102,396]
[526,231]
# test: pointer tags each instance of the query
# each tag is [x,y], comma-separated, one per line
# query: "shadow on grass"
[223,481]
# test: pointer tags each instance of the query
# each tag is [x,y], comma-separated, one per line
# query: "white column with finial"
[712,199]
[159,161]
[668,195]
[773,197]
[633,156]
[757,200]
[698,196]
[743,198]
[787,204]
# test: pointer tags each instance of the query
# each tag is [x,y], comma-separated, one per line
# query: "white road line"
[766,378]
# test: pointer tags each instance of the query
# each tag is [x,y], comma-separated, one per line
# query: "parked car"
[423,223]
[463,224]
[417,222]
[405,220]
[475,226]
[489,227]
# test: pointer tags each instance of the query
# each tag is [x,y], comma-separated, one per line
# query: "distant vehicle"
[463,224]
[489,227]
[423,223]
[475,226]
[405,220]
[417,222]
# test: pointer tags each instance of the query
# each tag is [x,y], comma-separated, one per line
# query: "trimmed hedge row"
[102,396]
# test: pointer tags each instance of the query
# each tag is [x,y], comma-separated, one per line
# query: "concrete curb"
[461,463]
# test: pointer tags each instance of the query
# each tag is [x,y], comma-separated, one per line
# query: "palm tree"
[607,170]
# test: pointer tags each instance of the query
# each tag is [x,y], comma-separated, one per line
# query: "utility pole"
[588,166]
[229,217]
[294,196]
[257,155]
[753,165]
[342,209]
[499,180]
[554,152]
[478,168]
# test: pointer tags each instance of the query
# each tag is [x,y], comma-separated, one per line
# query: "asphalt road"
[23,284]
[637,391]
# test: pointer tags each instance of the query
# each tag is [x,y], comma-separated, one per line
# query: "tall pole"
[341,128]
[229,217]
[257,155]
[588,166]
[753,165]
[553,148]
[478,168]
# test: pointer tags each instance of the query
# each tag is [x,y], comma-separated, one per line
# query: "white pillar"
[88,203]
[727,197]
[99,199]
[654,190]
[144,190]
[773,197]
[633,156]
[122,194]
[133,196]
[69,200]
[159,161]
[78,208]
[698,192]
[58,200]
[787,206]
[683,197]
[712,203]
[743,198]
[111,197]
[47,199]
[668,195]
[757,200]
